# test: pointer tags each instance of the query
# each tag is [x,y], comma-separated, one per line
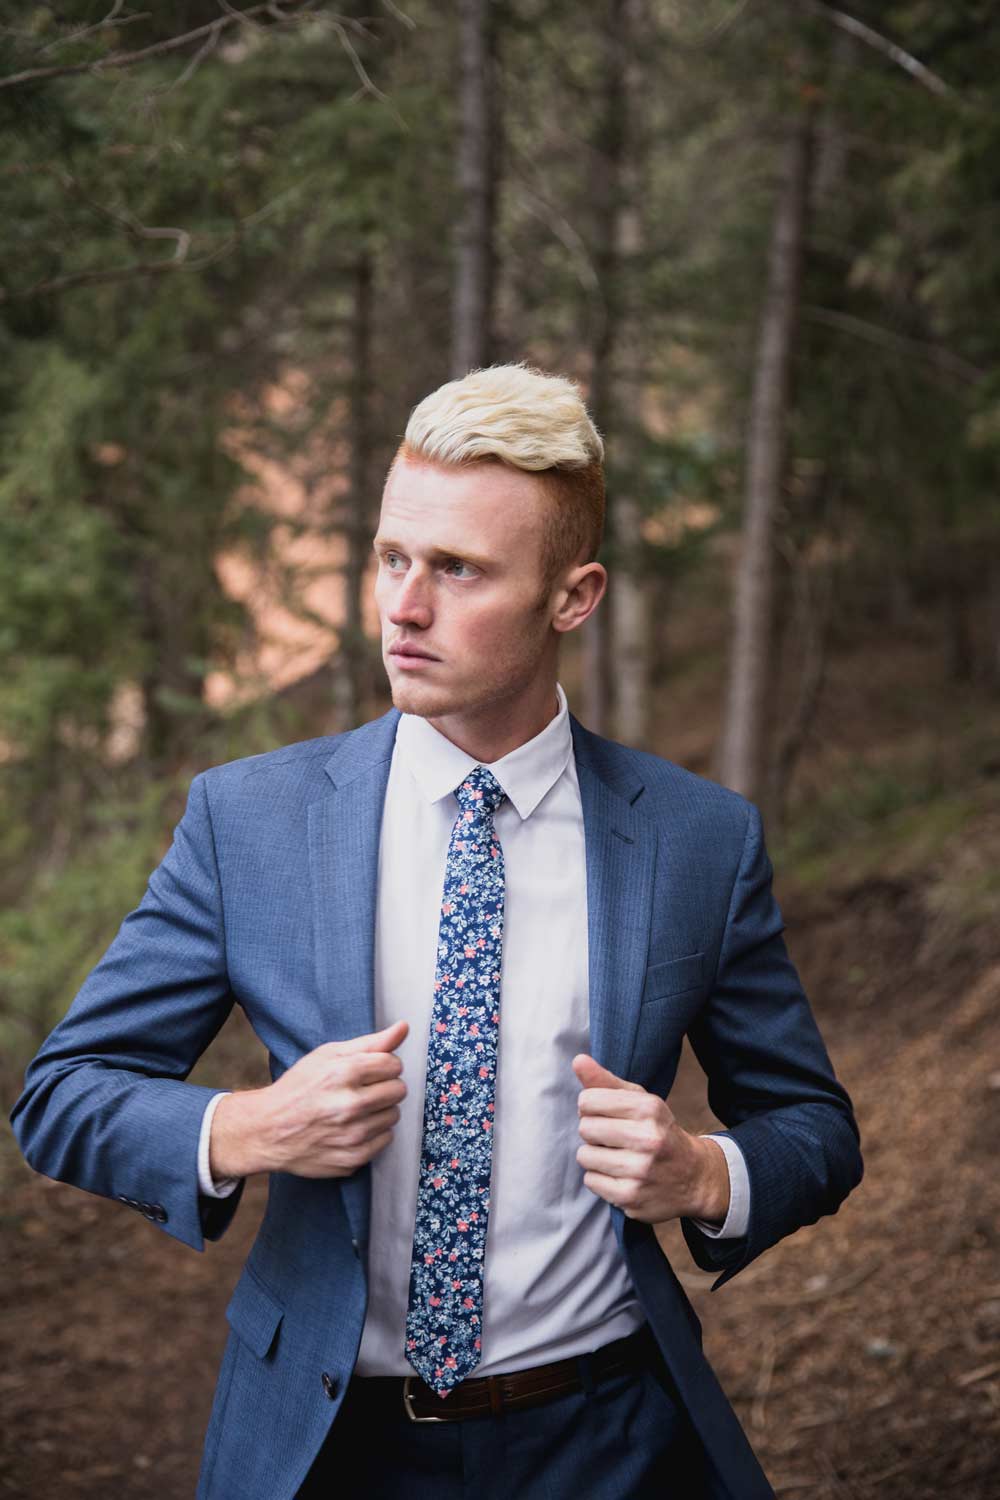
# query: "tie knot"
[480,792]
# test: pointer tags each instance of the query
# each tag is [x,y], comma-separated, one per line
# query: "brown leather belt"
[490,1395]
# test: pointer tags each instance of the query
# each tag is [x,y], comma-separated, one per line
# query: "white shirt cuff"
[738,1218]
[206,1185]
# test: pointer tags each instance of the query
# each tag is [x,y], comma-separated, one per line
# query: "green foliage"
[48,945]
[181,239]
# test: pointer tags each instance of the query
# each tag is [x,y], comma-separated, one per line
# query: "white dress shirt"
[556,1283]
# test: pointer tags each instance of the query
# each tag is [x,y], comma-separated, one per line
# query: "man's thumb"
[386,1040]
[593,1076]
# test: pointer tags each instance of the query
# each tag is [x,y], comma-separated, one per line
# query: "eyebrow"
[436,554]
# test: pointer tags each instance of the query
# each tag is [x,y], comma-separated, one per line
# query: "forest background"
[237,246]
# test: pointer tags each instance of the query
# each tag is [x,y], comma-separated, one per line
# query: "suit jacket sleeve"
[770,1079]
[105,1103]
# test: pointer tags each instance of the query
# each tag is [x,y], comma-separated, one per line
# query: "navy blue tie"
[444,1319]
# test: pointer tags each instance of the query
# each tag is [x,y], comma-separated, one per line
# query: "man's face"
[460,587]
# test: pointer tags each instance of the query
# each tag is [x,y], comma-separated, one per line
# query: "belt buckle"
[408,1403]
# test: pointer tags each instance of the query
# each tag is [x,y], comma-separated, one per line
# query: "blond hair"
[520,416]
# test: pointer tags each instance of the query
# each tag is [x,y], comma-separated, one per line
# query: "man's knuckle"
[343,1108]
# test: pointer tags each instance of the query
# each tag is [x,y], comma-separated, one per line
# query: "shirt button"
[329,1385]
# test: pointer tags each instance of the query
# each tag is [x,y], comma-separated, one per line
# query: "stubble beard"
[427,701]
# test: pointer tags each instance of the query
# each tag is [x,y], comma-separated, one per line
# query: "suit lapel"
[621,858]
[344,829]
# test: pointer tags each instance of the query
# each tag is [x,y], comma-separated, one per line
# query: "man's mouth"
[411,653]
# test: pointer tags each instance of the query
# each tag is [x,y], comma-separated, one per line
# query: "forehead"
[487,506]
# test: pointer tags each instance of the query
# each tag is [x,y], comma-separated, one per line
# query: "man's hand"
[637,1157]
[332,1111]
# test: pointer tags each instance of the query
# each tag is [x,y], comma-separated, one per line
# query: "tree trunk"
[174,591]
[630,625]
[594,671]
[478,162]
[604,197]
[810,620]
[958,628]
[742,758]
[352,683]
[993,659]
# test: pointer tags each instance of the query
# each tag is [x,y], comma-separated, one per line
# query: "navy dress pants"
[622,1437]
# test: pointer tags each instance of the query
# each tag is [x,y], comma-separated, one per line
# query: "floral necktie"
[444,1319]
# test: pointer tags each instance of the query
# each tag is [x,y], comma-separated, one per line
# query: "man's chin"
[421,698]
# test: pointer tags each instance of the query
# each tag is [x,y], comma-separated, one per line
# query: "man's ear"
[578,594]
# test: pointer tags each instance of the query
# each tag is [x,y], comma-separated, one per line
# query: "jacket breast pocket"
[673,976]
[671,996]
[254,1314]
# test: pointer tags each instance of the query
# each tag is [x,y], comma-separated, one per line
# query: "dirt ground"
[863,1353]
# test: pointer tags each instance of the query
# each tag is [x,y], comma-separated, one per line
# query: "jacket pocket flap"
[673,975]
[254,1314]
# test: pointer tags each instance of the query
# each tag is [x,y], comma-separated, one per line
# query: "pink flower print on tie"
[447,1267]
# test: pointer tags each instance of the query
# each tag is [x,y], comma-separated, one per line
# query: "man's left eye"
[456,562]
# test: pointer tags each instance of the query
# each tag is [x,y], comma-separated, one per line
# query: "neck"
[502,727]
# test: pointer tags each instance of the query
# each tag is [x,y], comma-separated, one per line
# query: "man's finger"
[622,1132]
[372,1093]
[610,1162]
[385,1040]
[615,1190]
[593,1074]
[366,1068]
[623,1102]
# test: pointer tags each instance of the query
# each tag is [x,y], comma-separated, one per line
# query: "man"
[458,1285]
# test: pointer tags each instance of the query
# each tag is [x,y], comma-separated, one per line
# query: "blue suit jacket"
[266,898]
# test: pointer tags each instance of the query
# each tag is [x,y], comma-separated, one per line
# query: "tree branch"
[178,261]
[400,15]
[872,333]
[100,277]
[206,34]
[114,18]
[880,43]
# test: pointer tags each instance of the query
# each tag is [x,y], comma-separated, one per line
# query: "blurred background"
[237,245]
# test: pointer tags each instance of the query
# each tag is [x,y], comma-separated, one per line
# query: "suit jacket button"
[329,1385]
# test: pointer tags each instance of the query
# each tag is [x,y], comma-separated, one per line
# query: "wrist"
[712,1188]
[236,1146]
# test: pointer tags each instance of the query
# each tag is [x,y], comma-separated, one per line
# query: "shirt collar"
[526,774]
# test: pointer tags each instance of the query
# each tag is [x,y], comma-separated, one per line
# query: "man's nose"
[411,604]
